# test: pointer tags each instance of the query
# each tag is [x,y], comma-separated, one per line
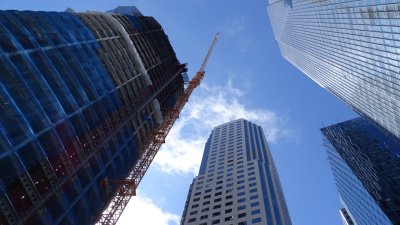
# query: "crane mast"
[127,187]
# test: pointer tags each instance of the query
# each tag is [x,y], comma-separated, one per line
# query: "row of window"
[227,211]
[240,178]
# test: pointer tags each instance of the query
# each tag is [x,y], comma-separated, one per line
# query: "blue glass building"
[350,48]
[238,182]
[365,161]
[80,95]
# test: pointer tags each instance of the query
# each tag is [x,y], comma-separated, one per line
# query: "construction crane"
[127,188]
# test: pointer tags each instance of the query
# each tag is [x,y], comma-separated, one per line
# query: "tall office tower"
[365,162]
[350,48]
[80,95]
[237,182]
[346,219]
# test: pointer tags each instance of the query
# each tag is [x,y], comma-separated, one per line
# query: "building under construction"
[82,96]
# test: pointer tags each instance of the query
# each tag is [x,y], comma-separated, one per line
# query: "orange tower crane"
[127,188]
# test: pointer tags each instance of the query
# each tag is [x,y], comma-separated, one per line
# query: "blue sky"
[246,77]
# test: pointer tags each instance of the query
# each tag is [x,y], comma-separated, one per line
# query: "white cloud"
[142,210]
[235,25]
[209,107]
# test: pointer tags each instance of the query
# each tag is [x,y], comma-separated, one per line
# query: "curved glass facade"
[76,108]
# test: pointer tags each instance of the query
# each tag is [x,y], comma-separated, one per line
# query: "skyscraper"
[346,219]
[366,165]
[80,95]
[237,182]
[350,48]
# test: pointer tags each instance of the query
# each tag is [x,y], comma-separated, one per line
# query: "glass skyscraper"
[351,48]
[365,161]
[80,93]
[346,219]
[238,182]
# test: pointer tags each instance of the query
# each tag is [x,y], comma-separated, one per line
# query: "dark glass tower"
[366,165]
[238,182]
[80,94]
[346,219]
[350,48]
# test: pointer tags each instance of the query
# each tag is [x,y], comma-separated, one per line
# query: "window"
[240,187]
[207,196]
[240,182]
[216,214]
[240,176]
[241,200]
[241,215]
[193,212]
[196,199]
[252,184]
[228,218]
[256,220]
[251,173]
[218,188]
[242,223]
[205,209]
[217,206]
[240,171]
[203,217]
[228,211]
[228,203]
[250,168]
[206,202]
[228,197]
[253,190]
[255,212]
[252,178]
[218,193]
[192,220]
[195,206]
[215,221]
[217,200]
[241,193]
[254,204]
[241,207]
[197,193]
[208,190]
[253,197]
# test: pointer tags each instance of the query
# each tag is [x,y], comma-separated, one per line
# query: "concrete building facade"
[238,182]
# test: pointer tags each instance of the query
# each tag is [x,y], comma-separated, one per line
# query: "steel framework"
[127,188]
